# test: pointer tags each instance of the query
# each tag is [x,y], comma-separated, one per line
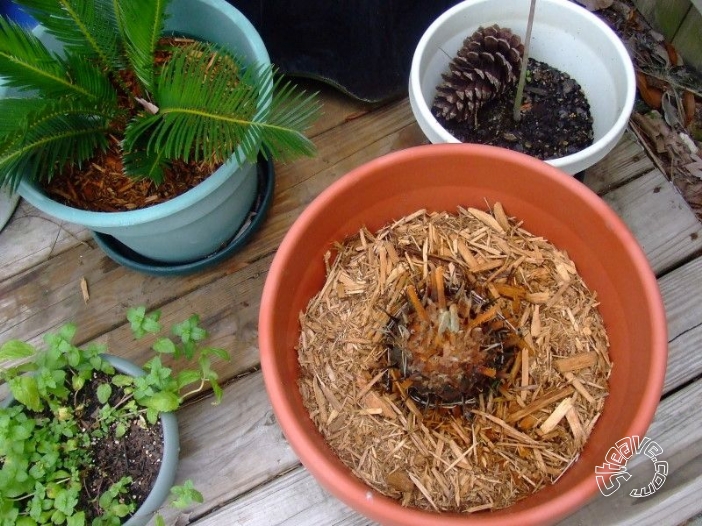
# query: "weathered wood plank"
[231,448]
[688,39]
[32,237]
[681,290]
[293,499]
[660,219]
[665,17]
[684,362]
[626,161]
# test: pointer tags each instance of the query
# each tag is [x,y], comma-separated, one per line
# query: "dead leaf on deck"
[672,54]
[651,96]
[84,290]
[689,106]
[695,167]
[671,111]
[595,5]
[661,53]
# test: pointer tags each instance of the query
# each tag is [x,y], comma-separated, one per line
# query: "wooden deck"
[235,452]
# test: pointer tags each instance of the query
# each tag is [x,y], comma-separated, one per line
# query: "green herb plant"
[202,104]
[45,446]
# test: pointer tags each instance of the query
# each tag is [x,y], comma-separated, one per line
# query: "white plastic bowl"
[565,36]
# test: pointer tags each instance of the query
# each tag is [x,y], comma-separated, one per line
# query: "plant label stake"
[517,115]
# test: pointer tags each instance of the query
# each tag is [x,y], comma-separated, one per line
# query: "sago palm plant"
[199,103]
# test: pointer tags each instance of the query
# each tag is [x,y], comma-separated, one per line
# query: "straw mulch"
[515,436]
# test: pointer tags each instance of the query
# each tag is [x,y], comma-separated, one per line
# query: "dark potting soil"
[137,454]
[555,121]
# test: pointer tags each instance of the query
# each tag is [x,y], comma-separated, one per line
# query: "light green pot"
[196,223]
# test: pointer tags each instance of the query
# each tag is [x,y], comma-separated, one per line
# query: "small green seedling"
[45,443]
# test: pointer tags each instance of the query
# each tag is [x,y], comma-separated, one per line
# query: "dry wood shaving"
[520,434]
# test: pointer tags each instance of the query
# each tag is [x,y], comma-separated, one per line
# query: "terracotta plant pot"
[565,36]
[442,177]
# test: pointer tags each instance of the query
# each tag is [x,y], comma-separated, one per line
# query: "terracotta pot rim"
[334,475]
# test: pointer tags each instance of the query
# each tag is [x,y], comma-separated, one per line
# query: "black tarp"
[364,47]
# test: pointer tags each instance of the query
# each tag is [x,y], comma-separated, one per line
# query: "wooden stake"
[516,113]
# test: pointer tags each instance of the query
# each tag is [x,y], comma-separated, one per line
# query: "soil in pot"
[555,121]
[137,454]
[475,100]
[454,362]
[106,450]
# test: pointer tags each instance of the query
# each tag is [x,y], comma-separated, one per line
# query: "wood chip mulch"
[518,434]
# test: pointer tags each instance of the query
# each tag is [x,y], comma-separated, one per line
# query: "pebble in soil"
[556,119]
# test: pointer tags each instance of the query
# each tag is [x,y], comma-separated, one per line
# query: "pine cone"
[486,66]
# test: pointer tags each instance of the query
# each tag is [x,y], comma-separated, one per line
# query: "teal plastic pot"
[196,223]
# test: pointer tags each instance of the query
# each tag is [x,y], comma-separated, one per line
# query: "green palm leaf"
[144,164]
[86,28]
[291,109]
[56,133]
[15,111]
[141,24]
[27,64]
[209,110]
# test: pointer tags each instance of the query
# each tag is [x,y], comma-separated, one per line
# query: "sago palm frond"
[291,110]
[144,164]
[85,27]
[15,111]
[57,133]
[89,78]
[27,64]
[141,26]
[208,109]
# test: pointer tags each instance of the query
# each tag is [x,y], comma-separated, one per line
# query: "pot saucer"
[126,257]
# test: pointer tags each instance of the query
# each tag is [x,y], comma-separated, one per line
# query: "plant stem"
[194,391]
[517,114]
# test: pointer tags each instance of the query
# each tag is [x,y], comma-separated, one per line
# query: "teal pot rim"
[128,258]
[169,461]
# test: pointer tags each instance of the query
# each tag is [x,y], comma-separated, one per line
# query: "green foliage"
[44,441]
[204,103]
